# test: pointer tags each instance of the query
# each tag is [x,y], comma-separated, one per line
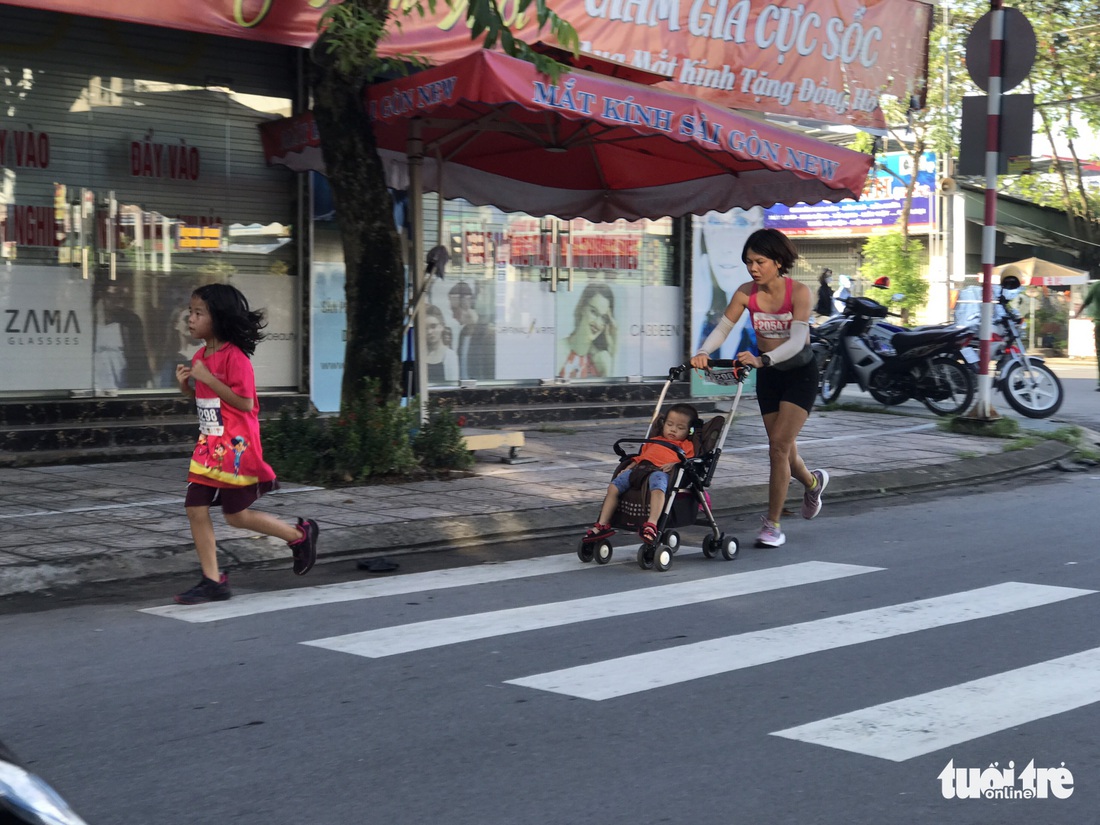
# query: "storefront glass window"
[539,298]
[121,190]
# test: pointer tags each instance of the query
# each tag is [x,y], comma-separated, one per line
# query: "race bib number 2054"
[210,416]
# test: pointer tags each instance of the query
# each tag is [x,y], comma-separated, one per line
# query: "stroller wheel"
[662,557]
[645,557]
[730,547]
[672,539]
[603,552]
[586,552]
[710,546]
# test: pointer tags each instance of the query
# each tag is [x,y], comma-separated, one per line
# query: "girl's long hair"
[231,316]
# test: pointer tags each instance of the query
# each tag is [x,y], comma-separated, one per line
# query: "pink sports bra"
[776,325]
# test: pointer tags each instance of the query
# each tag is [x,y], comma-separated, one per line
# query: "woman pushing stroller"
[677,429]
[779,309]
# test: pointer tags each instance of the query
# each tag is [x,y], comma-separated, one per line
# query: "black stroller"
[687,502]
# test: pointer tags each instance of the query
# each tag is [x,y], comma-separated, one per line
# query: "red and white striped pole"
[989,227]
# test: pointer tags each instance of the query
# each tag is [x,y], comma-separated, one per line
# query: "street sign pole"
[984,409]
[1009,62]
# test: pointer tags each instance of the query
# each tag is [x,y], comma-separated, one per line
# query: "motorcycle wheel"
[888,395]
[955,380]
[1032,389]
[822,356]
[832,379]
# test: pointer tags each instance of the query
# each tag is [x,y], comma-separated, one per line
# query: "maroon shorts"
[231,499]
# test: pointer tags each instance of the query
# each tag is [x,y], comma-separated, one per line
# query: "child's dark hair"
[771,243]
[231,316]
[685,409]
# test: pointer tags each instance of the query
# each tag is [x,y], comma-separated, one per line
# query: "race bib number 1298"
[210,416]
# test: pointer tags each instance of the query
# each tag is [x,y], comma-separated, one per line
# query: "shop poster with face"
[590,334]
[718,239]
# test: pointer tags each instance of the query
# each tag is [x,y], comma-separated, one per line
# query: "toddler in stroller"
[662,486]
[657,458]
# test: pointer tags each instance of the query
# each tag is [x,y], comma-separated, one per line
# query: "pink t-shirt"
[228,452]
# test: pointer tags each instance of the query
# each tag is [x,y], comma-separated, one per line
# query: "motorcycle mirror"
[25,798]
[1010,282]
[897,297]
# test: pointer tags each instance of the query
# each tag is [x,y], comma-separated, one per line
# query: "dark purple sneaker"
[207,590]
[305,548]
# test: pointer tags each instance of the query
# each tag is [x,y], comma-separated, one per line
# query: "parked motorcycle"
[25,799]
[825,337]
[1028,384]
[894,366]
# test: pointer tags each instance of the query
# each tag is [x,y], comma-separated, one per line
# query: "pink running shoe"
[811,499]
[770,535]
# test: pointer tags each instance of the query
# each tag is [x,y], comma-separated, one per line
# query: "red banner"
[825,60]
[290,22]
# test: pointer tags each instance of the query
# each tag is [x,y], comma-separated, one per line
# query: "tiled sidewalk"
[82,523]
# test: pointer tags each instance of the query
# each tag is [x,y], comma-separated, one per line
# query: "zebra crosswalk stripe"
[250,604]
[645,671]
[389,641]
[917,725]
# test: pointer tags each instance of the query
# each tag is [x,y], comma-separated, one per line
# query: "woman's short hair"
[771,243]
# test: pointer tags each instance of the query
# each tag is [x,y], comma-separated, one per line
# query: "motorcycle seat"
[911,339]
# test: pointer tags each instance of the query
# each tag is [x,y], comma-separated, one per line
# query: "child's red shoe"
[598,531]
[648,532]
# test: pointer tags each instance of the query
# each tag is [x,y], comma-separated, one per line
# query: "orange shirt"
[659,455]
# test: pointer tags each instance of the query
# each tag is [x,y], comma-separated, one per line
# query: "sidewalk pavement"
[72,525]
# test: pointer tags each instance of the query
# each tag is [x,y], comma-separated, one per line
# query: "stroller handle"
[622,453]
[678,372]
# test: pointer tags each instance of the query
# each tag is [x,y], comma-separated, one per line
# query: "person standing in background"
[824,306]
[1092,303]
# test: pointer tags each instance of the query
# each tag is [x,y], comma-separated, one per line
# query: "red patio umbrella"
[596,147]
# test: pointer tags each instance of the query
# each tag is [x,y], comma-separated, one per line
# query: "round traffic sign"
[1017,50]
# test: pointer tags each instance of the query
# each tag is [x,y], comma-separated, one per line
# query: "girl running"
[227,467]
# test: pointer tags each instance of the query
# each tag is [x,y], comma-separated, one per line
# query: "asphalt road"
[831,681]
[1082,401]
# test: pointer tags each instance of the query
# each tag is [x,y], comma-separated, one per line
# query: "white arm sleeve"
[800,336]
[717,336]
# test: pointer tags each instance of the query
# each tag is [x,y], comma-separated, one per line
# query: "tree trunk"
[375,277]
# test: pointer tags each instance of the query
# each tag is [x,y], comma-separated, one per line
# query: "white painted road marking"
[646,671]
[250,604]
[932,721]
[389,641]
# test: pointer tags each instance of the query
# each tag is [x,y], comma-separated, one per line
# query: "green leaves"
[889,255]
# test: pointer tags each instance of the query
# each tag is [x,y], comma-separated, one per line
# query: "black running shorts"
[797,386]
